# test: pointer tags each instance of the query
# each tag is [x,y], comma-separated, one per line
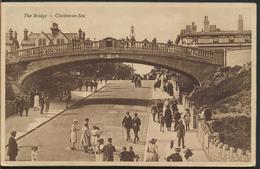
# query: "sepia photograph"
[128,84]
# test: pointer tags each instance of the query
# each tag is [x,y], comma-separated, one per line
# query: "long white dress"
[73,134]
[36,101]
[85,137]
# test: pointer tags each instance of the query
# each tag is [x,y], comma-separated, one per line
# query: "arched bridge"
[194,62]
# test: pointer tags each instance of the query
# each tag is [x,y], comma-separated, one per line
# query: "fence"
[216,150]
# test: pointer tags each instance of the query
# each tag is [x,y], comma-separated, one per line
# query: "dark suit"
[127,123]
[136,127]
[12,149]
[108,150]
[176,157]
[180,129]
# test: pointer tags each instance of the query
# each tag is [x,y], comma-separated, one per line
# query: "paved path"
[191,139]
[53,137]
[24,124]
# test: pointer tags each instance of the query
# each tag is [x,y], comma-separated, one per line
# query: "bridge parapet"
[117,46]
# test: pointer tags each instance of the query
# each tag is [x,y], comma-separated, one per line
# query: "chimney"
[15,35]
[10,34]
[240,24]
[83,35]
[80,33]
[25,33]
[55,29]
[206,24]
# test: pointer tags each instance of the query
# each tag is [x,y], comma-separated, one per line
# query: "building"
[11,41]
[55,37]
[212,38]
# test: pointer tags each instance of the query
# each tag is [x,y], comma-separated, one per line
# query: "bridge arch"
[193,62]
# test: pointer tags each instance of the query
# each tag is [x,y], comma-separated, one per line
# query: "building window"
[43,42]
[58,41]
[62,41]
[40,42]
[215,39]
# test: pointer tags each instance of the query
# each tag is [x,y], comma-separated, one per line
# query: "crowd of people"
[90,85]
[163,83]
[91,141]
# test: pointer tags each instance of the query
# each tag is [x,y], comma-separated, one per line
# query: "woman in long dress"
[187,117]
[73,134]
[95,136]
[168,118]
[36,102]
[99,150]
[152,153]
[85,137]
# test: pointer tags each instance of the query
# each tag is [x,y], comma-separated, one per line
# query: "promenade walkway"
[24,125]
[163,139]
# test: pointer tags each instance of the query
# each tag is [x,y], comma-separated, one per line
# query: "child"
[34,153]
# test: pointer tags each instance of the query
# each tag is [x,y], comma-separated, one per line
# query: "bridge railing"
[120,45]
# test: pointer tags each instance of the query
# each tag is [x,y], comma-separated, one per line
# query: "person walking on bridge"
[127,124]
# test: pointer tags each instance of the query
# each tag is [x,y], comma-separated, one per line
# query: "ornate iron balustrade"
[119,46]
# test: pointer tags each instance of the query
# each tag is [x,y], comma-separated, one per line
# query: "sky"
[161,20]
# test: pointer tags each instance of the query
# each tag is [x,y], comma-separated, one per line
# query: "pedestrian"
[180,129]
[169,88]
[41,101]
[12,147]
[186,118]
[80,84]
[176,117]
[47,103]
[162,121]
[67,98]
[187,155]
[175,157]
[17,101]
[136,122]
[168,118]
[34,153]
[159,108]
[85,137]
[73,134]
[95,134]
[36,102]
[174,105]
[21,106]
[208,114]
[154,111]
[131,155]
[87,84]
[123,156]
[152,152]
[109,150]
[95,85]
[26,105]
[99,150]
[127,124]
[91,83]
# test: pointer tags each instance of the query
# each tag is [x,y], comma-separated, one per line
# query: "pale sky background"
[161,20]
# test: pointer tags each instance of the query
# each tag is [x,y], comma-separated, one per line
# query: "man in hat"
[176,117]
[175,157]
[127,124]
[136,127]
[180,129]
[12,147]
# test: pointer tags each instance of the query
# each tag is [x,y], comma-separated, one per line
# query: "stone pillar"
[226,152]
[232,154]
